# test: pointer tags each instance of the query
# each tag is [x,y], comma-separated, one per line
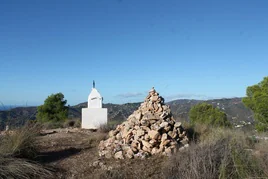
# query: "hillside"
[233,107]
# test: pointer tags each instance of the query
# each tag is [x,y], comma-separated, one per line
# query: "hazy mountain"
[7,107]
[233,107]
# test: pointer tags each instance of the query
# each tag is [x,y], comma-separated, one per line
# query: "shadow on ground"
[53,156]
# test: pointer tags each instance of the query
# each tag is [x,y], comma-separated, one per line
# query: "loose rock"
[150,130]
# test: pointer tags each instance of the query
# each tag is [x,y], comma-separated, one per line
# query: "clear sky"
[196,49]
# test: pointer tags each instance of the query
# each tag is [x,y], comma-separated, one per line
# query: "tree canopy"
[257,101]
[207,114]
[53,109]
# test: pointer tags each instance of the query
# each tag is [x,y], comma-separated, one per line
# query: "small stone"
[173,143]
[137,127]
[153,134]
[108,154]
[135,150]
[177,124]
[140,132]
[170,133]
[155,107]
[138,115]
[126,132]
[152,91]
[146,144]
[130,154]
[164,137]
[152,121]
[181,149]
[168,151]
[95,164]
[145,128]
[146,149]
[184,141]
[166,142]
[113,133]
[146,137]
[153,142]
[119,155]
[160,109]
[164,124]
[164,107]
[155,151]
[167,128]
[164,115]
[145,122]
[179,131]
[154,98]
[134,144]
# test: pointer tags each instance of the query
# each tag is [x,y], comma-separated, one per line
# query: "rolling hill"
[233,107]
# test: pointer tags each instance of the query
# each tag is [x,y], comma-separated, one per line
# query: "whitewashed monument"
[94,115]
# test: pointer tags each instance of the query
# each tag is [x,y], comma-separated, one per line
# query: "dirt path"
[74,153]
[71,150]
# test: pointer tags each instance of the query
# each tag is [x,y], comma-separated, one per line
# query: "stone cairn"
[150,130]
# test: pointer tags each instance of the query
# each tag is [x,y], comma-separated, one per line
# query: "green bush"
[206,114]
[53,109]
[257,101]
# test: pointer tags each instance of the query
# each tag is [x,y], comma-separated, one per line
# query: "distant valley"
[233,107]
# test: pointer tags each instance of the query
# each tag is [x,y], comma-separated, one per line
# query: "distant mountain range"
[7,107]
[233,107]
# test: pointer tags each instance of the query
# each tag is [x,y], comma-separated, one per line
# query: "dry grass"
[135,169]
[213,153]
[220,153]
[105,128]
[261,153]
[52,125]
[21,142]
[17,145]
[94,141]
[72,123]
[20,168]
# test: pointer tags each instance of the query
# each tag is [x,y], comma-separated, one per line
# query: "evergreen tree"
[206,114]
[257,101]
[53,109]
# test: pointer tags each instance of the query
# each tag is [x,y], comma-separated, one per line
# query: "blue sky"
[196,49]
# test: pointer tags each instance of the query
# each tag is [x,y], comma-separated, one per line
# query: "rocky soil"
[73,154]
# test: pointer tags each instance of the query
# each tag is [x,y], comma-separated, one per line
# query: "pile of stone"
[150,130]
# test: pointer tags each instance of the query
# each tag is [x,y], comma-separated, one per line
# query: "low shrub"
[21,142]
[11,167]
[94,141]
[52,125]
[105,128]
[72,123]
[220,153]
[135,169]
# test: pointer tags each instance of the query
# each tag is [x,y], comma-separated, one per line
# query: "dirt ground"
[73,153]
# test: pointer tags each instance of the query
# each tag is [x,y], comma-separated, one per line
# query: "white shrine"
[94,115]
